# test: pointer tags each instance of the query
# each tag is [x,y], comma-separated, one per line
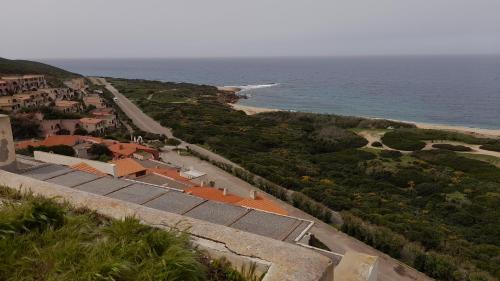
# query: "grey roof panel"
[103,186]
[73,178]
[137,193]
[153,179]
[47,171]
[266,224]
[175,202]
[216,212]
[297,231]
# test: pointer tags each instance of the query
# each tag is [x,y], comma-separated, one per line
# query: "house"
[75,84]
[107,114]
[94,100]
[126,150]
[32,99]
[82,150]
[15,84]
[67,106]
[59,93]
[129,168]
[9,103]
[93,125]
[53,127]
[4,88]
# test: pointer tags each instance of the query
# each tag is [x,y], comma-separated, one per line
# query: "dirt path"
[376,136]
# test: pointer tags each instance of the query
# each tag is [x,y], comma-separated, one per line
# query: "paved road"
[389,268]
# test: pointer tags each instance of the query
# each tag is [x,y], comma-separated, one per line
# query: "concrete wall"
[47,157]
[283,261]
[7,149]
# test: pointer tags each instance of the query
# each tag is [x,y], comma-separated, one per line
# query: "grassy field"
[44,240]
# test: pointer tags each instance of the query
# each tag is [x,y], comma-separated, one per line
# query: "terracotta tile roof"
[172,174]
[91,139]
[261,203]
[26,143]
[88,169]
[127,166]
[87,120]
[213,193]
[127,149]
[60,140]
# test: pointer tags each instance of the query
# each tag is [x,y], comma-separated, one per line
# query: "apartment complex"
[10,85]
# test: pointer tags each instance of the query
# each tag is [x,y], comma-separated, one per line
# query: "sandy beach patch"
[251,110]
[477,132]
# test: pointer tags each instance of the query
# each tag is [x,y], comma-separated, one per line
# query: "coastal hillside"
[54,75]
[435,210]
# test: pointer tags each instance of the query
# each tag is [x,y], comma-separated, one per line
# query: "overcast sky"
[228,28]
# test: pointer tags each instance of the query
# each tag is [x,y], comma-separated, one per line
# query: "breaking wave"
[254,87]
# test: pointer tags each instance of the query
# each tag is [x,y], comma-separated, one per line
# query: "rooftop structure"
[128,167]
[85,178]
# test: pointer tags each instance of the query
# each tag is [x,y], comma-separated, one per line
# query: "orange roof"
[127,149]
[127,166]
[27,143]
[91,139]
[212,193]
[84,167]
[91,120]
[171,173]
[261,203]
[60,140]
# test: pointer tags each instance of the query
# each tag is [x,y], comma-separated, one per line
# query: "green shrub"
[400,140]
[491,147]
[57,149]
[393,154]
[173,142]
[451,147]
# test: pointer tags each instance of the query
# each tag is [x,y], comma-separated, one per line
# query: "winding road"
[389,268]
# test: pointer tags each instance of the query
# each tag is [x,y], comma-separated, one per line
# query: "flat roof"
[271,225]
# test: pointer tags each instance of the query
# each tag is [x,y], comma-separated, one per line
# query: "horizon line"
[265,57]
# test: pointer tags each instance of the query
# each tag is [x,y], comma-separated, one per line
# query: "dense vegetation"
[54,75]
[451,147]
[443,204]
[412,139]
[57,149]
[43,240]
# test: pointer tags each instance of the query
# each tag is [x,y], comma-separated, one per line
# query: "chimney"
[253,194]
[224,192]
[7,150]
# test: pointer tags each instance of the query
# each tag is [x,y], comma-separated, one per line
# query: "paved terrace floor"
[271,225]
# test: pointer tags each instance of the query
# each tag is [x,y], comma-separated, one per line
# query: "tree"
[98,149]
[24,128]
[81,132]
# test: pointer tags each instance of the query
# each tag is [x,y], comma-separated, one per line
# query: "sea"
[450,90]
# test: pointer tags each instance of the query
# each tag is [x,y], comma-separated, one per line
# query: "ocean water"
[453,90]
